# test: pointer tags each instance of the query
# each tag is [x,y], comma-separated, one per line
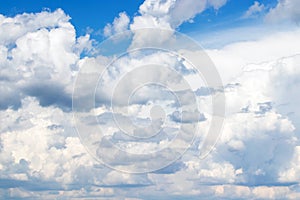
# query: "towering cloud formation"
[168,14]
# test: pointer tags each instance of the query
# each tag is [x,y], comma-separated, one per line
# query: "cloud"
[257,155]
[285,10]
[166,15]
[231,59]
[254,10]
[291,173]
[49,93]
[24,23]
[217,4]
[169,14]
[256,119]
[43,156]
[39,58]
[187,117]
[10,97]
[119,25]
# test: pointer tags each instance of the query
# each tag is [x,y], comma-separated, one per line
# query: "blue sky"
[92,16]
[150,113]
[92,13]
[95,14]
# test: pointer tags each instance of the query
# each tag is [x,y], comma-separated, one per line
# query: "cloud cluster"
[169,14]
[257,155]
[38,58]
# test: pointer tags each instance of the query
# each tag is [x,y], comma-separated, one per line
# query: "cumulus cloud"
[236,162]
[168,14]
[171,14]
[119,25]
[231,59]
[255,95]
[285,10]
[291,172]
[39,57]
[257,155]
[256,119]
[35,143]
[21,24]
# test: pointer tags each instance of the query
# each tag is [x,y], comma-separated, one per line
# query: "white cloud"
[265,192]
[24,23]
[39,57]
[40,149]
[260,96]
[171,13]
[285,10]
[253,10]
[292,172]
[183,11]
[35,140]
[231,59]
[119,25]
[168,14]
[216,4]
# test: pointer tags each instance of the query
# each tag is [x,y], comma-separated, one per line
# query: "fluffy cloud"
[261,109]
[119,24]
[285,10]
[39,58]
[259,116]
[36,142]
[168,14]
[231,59]
[257,155]
[171,13]
[235,166]
[25,23]
[253,10]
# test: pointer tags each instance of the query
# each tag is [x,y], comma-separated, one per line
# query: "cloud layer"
[257,155]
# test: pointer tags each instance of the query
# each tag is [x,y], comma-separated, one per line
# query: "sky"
[92,15]
[149,99]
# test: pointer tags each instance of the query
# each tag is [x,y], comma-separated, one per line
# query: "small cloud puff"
[254,10]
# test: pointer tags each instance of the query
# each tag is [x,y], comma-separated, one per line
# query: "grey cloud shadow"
[49,93]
